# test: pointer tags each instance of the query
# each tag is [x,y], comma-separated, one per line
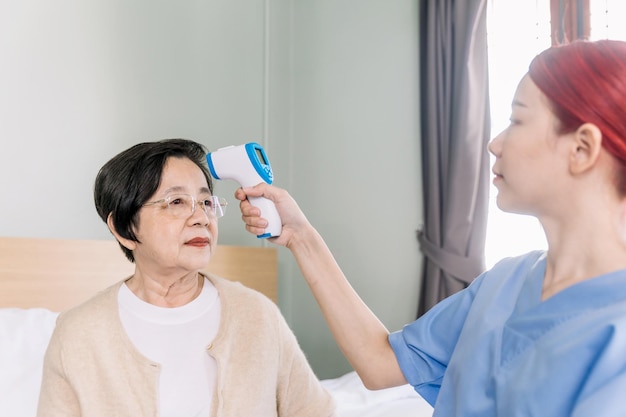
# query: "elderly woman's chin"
[199,260]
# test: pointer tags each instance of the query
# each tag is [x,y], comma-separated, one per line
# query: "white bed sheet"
[354,400]
[24,335]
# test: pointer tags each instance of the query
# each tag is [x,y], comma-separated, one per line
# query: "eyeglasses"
[184,205]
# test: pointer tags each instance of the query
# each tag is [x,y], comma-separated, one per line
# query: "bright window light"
[517,31]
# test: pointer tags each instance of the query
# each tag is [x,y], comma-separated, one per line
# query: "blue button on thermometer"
[248,165]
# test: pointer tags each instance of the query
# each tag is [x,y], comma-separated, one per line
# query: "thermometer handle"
[268,212]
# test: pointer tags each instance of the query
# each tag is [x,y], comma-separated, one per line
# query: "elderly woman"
[169,340]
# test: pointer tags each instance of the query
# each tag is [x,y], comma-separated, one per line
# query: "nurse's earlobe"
[585,148]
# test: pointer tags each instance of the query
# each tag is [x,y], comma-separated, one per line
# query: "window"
[517,31]
[607,19]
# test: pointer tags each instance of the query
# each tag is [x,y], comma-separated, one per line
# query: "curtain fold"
[455,130]
[569,20]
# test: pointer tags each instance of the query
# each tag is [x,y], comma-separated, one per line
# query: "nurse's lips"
[198,241]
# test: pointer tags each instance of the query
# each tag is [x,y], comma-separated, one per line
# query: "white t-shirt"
[177,338]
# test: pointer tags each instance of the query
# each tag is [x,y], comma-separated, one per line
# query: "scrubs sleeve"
[423,348]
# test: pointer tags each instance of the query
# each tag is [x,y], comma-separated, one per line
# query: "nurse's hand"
[294,223]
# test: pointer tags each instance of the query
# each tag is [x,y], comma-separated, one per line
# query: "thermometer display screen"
[259,155]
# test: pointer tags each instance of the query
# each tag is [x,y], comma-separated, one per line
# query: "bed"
[40,277]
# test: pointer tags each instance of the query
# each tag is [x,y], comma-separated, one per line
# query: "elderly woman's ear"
[127,243]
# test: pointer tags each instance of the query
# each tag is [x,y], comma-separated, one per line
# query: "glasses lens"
[213,206]
[180,205]
[219,206]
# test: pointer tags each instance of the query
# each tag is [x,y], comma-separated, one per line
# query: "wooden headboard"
[60,273]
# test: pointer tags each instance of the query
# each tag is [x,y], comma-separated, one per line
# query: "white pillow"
[24,336]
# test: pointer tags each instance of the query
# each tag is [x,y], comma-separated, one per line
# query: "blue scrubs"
[495,349]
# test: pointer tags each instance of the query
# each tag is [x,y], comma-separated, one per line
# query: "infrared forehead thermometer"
[248,165]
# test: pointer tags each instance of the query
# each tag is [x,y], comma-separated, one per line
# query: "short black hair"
[126,182]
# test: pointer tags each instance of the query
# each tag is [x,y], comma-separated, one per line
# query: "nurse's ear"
[586,148]
[127,243]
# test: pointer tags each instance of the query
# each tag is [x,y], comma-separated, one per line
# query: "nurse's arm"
[361,336]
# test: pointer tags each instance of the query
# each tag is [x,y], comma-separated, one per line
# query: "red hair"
[585,82]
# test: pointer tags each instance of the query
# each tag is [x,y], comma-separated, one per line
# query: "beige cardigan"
[92,369]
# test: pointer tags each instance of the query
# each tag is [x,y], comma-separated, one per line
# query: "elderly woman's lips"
[198,241]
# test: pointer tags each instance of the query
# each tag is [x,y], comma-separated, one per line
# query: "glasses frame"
[213,211]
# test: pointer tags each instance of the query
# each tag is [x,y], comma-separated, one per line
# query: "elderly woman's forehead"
[177,169]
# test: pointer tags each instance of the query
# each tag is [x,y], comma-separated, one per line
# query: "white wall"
[354,156]
[328,87]
[80,81]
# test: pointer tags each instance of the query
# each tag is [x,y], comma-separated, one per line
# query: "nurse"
[542,334]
